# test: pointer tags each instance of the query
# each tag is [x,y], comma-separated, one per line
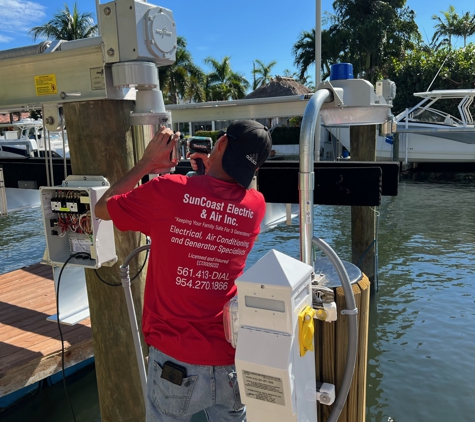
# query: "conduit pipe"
[306,174]
[351,311]
[126,284]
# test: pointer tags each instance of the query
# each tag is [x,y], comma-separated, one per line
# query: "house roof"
[280,86]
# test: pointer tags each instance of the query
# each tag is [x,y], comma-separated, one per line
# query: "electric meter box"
[71,228]
[273,374]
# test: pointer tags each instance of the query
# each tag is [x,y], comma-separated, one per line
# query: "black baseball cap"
[249,145]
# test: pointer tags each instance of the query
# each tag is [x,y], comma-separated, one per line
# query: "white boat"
[25,138]
[24,164]
[427,134]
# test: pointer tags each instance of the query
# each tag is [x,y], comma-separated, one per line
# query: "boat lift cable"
[351,311]
[126,284]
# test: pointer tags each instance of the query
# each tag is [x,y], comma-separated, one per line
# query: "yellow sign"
[46,85]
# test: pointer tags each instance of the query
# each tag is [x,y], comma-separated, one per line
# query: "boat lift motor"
[156,48]
[272,330]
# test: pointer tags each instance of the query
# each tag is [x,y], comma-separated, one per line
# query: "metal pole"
[98,10]
[50,157]
[126,284]
[65,165]
[318,67]
[306,174]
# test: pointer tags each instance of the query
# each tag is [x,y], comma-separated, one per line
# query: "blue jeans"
[213,389]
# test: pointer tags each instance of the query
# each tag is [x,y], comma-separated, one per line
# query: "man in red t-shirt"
[202,229]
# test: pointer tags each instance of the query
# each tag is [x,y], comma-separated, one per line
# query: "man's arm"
[156,159]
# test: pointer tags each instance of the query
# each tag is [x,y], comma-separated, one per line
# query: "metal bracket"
[350,311]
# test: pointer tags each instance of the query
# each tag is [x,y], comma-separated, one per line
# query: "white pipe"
[125,278]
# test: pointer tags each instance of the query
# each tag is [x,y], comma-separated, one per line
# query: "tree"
[182,80]
[262,72]
[416,73]
[445,28]
[365,33]
[223,83]
[67,26]
[466,27]
[304,51]
[371,33]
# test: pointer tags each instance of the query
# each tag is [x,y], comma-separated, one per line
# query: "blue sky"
[245,30]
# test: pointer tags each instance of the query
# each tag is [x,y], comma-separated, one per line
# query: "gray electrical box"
[73,233]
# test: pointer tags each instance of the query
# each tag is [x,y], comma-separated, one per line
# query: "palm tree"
[263,71]
[67,26]
[182,80]
[466,27]
[445,28]
[304,52]
[223,83]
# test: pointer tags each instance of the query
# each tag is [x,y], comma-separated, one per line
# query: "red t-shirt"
[202,230]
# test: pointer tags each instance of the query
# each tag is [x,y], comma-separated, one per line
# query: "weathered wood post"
[100,143]
[331,348]
[363,219]
[396,146]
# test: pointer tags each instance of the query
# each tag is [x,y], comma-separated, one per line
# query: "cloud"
[18,17]
[4,38]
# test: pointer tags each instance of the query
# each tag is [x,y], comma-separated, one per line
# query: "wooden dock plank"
[30,346]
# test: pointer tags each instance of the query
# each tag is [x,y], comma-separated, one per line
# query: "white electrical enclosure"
[273,376]
[145,32]
[71,226]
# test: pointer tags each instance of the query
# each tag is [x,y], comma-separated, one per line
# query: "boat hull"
[416,147]
[23,176]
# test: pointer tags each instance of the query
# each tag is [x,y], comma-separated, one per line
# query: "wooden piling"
[100,143]
[363,219]
[331,347]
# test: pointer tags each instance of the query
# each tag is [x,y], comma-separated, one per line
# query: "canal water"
[422,319]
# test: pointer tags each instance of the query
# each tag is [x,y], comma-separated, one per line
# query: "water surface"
[422,320]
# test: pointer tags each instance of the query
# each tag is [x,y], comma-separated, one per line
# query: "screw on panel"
[107,11]
[110,52]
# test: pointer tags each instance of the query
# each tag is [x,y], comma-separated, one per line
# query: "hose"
[352,312]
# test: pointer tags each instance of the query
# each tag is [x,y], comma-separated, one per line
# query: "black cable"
[133,278]
[61,331]
[106,282]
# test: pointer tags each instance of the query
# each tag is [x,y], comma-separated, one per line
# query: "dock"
[30,346]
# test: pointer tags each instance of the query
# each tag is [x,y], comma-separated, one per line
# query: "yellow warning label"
[46,84]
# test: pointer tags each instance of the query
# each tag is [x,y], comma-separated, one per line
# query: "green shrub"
[286,136]
[280,135]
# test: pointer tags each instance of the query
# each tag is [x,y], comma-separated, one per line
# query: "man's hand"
[198,155]
[156,157]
